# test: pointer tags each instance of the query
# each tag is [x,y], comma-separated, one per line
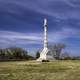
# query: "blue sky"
[21,24]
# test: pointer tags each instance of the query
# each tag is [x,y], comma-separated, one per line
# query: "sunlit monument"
[43,54]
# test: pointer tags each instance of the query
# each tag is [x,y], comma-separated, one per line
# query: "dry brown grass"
[32,70]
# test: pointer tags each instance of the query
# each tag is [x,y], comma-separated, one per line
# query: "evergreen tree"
[37,54]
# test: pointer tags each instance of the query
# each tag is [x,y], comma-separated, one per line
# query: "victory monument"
[43,54]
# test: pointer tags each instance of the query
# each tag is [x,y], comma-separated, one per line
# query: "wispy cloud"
[17,35]
[54,8]
[17,38]
[73,3]
[63,34]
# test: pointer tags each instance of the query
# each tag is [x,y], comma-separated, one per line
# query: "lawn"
[32,70]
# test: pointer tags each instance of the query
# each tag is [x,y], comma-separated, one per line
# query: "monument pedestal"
[43,55]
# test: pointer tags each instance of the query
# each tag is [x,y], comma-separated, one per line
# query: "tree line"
[56,52]
[14,53]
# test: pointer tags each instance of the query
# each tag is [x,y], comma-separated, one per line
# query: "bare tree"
[65,56]
[56,50]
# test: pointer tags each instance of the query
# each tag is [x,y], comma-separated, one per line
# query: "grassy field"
[32,70]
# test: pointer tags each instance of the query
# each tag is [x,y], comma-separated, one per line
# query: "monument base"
[43,55]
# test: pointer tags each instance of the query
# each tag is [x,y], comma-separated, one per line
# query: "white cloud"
[15,38]
[28,40]
[8,38]
[63,34]
[17,35]
[69,3]
[62,9]
[72,3]
[55,8]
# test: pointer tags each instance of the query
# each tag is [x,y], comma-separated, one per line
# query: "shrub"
[45,60]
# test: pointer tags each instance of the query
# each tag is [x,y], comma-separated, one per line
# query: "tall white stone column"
[45,34]
[43,54]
